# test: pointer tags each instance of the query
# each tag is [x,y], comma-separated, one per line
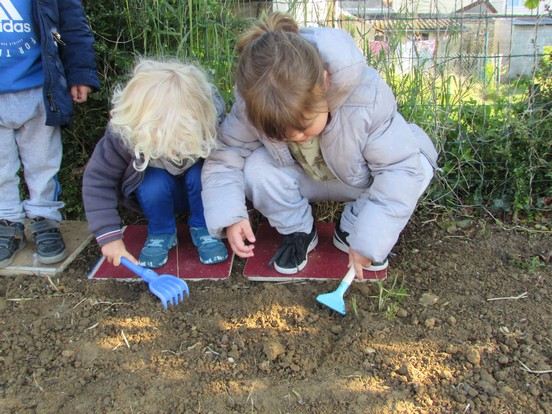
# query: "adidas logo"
[10,19]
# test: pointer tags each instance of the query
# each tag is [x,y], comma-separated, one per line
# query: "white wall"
[520,46]
[307,13]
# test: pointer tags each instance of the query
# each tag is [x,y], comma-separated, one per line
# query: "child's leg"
[26,139]
[12,235]
[283,194]
[156,195]
[210,249]
[40,150]
[192,183]
[11,207]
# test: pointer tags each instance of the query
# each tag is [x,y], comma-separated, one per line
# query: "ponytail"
[275,22]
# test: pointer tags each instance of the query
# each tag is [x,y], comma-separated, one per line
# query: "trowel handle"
[347,280]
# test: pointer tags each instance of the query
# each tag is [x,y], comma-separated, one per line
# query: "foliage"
[543,79]
[494,143]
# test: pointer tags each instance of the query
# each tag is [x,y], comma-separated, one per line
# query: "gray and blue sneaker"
[211,250]
[155,252]
[12,240]
[50,247]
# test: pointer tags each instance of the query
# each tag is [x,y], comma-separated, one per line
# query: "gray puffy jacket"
[367,144]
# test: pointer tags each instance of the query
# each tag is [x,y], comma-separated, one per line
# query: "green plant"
[532,265]
[354,305]
[389,298]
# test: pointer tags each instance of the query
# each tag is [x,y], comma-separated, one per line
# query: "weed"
[532,265]
[389,298]
[354,305]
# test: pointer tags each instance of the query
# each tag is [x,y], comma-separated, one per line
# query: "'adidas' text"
[10,26]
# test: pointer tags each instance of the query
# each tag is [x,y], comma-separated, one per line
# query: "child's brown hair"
[280,76]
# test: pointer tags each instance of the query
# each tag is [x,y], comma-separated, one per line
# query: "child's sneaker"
[12,239]
[50,247]
[291,256]
[155,252]
[211,250]
[377,271]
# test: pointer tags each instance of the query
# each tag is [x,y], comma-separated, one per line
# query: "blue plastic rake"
[170,289]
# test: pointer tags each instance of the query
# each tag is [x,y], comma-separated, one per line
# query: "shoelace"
[154,243]
[208,239]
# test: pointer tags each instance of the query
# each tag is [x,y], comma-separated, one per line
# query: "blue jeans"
[162,196]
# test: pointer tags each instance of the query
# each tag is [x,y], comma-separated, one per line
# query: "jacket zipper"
[57,38]
[51,100]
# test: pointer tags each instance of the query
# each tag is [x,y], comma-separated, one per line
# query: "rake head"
[170,289]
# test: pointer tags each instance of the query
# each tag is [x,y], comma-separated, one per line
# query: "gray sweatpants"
[26,140]
[283,194]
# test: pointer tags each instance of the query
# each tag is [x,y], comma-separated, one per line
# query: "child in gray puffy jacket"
[311,122]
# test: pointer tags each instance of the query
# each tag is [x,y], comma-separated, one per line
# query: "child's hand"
[79,93]
[113,251]
[237,233]
[358,261]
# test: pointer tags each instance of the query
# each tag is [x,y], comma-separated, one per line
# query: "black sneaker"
[50,247]
[12,239]
[340,241]
[291,256]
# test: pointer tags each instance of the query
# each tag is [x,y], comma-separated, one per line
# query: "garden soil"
[473,334]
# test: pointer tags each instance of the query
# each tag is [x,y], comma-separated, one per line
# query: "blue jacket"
[68,56]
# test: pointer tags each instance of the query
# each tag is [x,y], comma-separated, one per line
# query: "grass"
[390,297]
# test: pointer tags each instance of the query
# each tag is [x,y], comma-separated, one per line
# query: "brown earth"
[472,335]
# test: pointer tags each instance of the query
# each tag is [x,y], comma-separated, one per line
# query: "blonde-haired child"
[312,121]
[163,124]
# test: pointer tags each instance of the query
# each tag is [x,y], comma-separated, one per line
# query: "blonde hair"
[280,76]
[166,110]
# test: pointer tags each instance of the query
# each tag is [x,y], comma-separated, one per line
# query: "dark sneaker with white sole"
[12,240]
[377,271]
[50,247]
[291,256]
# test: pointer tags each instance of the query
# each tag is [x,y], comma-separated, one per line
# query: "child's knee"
[193,176]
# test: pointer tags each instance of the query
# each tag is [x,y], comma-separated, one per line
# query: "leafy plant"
[389,298]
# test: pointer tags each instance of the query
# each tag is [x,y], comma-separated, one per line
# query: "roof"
[478,7]
[532,21]
[417,25]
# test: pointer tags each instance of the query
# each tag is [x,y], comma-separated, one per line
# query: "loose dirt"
[463,325]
